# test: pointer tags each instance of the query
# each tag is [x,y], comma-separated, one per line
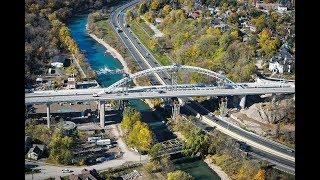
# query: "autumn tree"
[167,9]
[155,5]
[268,44]
[214,31]
[261,175]
[130,117]
[140,136]
[149,17]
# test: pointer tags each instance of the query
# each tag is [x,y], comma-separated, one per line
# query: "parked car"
[66,171]
[101,159]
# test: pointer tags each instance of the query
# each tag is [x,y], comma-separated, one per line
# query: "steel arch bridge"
[172,69]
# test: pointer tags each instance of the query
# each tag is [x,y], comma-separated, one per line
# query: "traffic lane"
[272,157]
[185,93]
[252,137]
[142,50]
[239,131]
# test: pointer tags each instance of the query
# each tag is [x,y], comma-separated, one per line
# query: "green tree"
[129,15]
[59,147]
[198,142]
[259,22]
[143,8]
[179,175]
[154,151]
[71,70]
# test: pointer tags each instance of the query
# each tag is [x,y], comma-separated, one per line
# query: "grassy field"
[145,34]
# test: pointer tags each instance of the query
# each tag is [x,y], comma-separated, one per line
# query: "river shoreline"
[217,169]
[118,56]
[114,53]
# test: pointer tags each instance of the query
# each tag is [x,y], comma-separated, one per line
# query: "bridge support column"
[102,113]
[48,115]
[242,102]
[175,109]
[120,104]
[273,98]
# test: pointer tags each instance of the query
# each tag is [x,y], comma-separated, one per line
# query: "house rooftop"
[86,175]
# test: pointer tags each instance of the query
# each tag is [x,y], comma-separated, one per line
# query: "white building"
[282,62]
[281,8]
[57,64]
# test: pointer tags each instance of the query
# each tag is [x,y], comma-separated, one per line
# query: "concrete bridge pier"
[120,104]
[242,102]
[102,113]
[175,109]
[48,115]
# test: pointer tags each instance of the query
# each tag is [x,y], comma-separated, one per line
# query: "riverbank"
[114,53]
[217,169]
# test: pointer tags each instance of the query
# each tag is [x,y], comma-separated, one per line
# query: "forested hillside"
[46,34]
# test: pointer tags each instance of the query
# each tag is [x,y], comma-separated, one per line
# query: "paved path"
[83,75]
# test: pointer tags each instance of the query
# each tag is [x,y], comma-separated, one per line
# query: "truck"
[125,25]
[119,30]
[103,142]
[93,139]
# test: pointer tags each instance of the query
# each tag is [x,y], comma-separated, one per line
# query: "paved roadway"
[54,97]
[149,61]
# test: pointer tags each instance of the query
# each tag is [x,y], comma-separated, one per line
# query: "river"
[95,54]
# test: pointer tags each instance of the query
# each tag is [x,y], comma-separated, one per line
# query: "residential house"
[211,9]
[247,24]
[36,151]
[281,8]
[198,4]
[194,14]
[266,6]
[283,61]
[86,175]
[286,4]
[132,175]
